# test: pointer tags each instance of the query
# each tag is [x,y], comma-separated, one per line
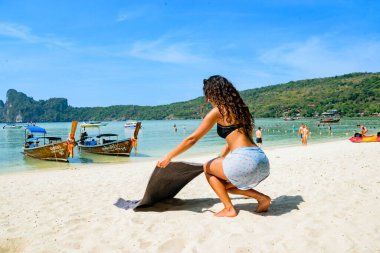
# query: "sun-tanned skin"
[238,138]
[214,169]
[217,180]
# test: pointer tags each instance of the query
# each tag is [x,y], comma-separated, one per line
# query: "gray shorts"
[246,167]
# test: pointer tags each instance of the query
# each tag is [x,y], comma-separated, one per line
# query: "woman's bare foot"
[264,204]
[227,212]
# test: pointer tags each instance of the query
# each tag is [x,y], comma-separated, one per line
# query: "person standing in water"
[242,164]
[301,131]
[259,137]
[363,129]
[305,134]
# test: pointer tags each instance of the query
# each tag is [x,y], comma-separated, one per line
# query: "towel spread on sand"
[164,184]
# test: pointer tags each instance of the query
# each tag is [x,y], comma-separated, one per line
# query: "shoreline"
[277,133]
[137,160]
[320,192]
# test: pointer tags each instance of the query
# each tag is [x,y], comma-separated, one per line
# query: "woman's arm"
[207,123]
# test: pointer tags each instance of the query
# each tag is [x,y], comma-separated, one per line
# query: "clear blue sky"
[100,53]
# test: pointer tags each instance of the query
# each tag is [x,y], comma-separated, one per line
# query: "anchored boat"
[47,147]
[331,116]
[329,120]
[108,143]
[130,124]
[12,126]
[93,124]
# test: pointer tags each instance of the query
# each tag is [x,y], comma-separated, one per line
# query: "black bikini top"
[224,131]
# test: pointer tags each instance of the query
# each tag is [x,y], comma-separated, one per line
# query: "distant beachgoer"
[259,137]
[305,134]
[241,165]
[363,129]
[330,130]
[300,132]
[175,127]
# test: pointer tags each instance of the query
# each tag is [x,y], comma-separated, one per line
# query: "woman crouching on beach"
[241,165]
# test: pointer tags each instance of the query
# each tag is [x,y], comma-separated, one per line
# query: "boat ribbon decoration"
[70,146]
[71,140]
[134,143]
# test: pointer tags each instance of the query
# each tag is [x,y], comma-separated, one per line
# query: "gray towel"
[164,184]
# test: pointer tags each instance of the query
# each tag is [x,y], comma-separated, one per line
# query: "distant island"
[355,94]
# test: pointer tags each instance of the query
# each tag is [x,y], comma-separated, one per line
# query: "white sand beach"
[325,199]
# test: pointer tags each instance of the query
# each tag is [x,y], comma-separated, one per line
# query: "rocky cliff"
[21,108]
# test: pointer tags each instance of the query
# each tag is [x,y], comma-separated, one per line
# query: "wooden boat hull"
[50,152]
[329,120]
[116,148]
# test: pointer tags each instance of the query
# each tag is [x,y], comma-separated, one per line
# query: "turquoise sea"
[157,137]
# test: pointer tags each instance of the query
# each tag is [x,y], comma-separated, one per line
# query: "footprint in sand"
[172,245]
[137,220]
[13,245]
[144,244]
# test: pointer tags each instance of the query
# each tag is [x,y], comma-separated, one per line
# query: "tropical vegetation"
[355,94]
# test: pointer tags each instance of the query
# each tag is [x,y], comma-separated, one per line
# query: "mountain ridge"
[351,94]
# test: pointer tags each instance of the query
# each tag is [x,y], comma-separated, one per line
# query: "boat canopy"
[106,135]
[39,138]
[88,125]
[36,129]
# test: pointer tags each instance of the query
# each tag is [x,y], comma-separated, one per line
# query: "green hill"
[352,94]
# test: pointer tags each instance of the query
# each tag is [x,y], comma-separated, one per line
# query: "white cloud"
[127,15]
[162,51]
[324,56]
[24,34]
[16,31]
[135,13]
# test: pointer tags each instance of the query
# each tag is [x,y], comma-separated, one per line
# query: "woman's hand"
[163,162]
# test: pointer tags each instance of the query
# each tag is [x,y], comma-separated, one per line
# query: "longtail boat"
[93,124]
[329,120]
[47,147]
[108,143]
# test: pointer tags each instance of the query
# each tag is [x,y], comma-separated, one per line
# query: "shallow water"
[157,137]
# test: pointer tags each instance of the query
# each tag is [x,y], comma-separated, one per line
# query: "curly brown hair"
[229,102]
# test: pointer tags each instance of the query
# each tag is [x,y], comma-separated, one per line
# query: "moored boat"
[47,147]
[329,120]
[108,143]
[330,116]
[130,124]
[12,126]
[93,124]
